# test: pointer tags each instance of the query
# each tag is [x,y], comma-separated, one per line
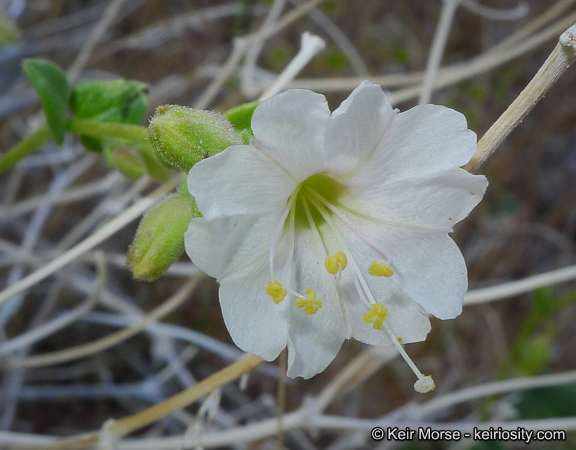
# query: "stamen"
[326,216]
[376,316]
[311,305]
[379,269]
[354,229]
[278,230]
[336,263]
[276,291]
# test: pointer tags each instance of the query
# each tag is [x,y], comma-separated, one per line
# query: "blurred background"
[58,196]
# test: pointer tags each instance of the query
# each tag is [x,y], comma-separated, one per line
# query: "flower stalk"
[559,60]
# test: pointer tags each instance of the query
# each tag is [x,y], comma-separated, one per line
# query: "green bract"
[118,101]
[52,87]
[183,136]
[121,101]
[159,240]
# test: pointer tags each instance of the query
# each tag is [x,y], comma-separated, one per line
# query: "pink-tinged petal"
[357,128]
[421,141]
[290,128]
[240,180]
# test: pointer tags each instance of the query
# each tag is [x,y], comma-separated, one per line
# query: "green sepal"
[159,240]
[241,116]
[121,101]
[183,136]
[52,87]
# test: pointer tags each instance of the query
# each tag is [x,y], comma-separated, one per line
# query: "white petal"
[437,201]
[235,250]
[407,319]
[228,244]
[429,268]
[432,271]
[290,128]
[256,324]
[314,339]
[240,180]
[356,129]
[421,141]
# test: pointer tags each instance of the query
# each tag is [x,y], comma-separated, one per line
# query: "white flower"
[331,226]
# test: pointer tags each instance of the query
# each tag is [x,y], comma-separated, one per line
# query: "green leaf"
[52,86]
[120,101]
[546,402]
[544,301]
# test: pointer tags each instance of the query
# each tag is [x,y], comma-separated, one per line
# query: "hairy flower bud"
[159,240]
[183,136]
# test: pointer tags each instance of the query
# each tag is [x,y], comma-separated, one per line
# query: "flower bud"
[127,161]
[183,136]
[159,240]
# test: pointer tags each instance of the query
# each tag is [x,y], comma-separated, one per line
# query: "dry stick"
[90,348]
[241,45]
[97,33]
[120,428]
[90,242]
[559,60]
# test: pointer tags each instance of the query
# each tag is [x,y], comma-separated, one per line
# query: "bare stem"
[559,60]
[24,148]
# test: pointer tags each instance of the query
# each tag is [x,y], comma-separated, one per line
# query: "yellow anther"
[311,304]
[399,339]
[378,269]
[335,263]
[424,384]
[376,316]
[276,291]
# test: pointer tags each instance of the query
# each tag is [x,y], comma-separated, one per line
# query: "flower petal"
[421,141]
[408,321]
[235,250]
[228,244]
[240,180]
[429,268]
[290,128]
[314,340]
[437,201]
[357,127]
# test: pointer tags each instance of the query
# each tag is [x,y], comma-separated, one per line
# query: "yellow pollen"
[399,339]
[377,315]
[378,269]
[311,304]
[335,263]
[276,291]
